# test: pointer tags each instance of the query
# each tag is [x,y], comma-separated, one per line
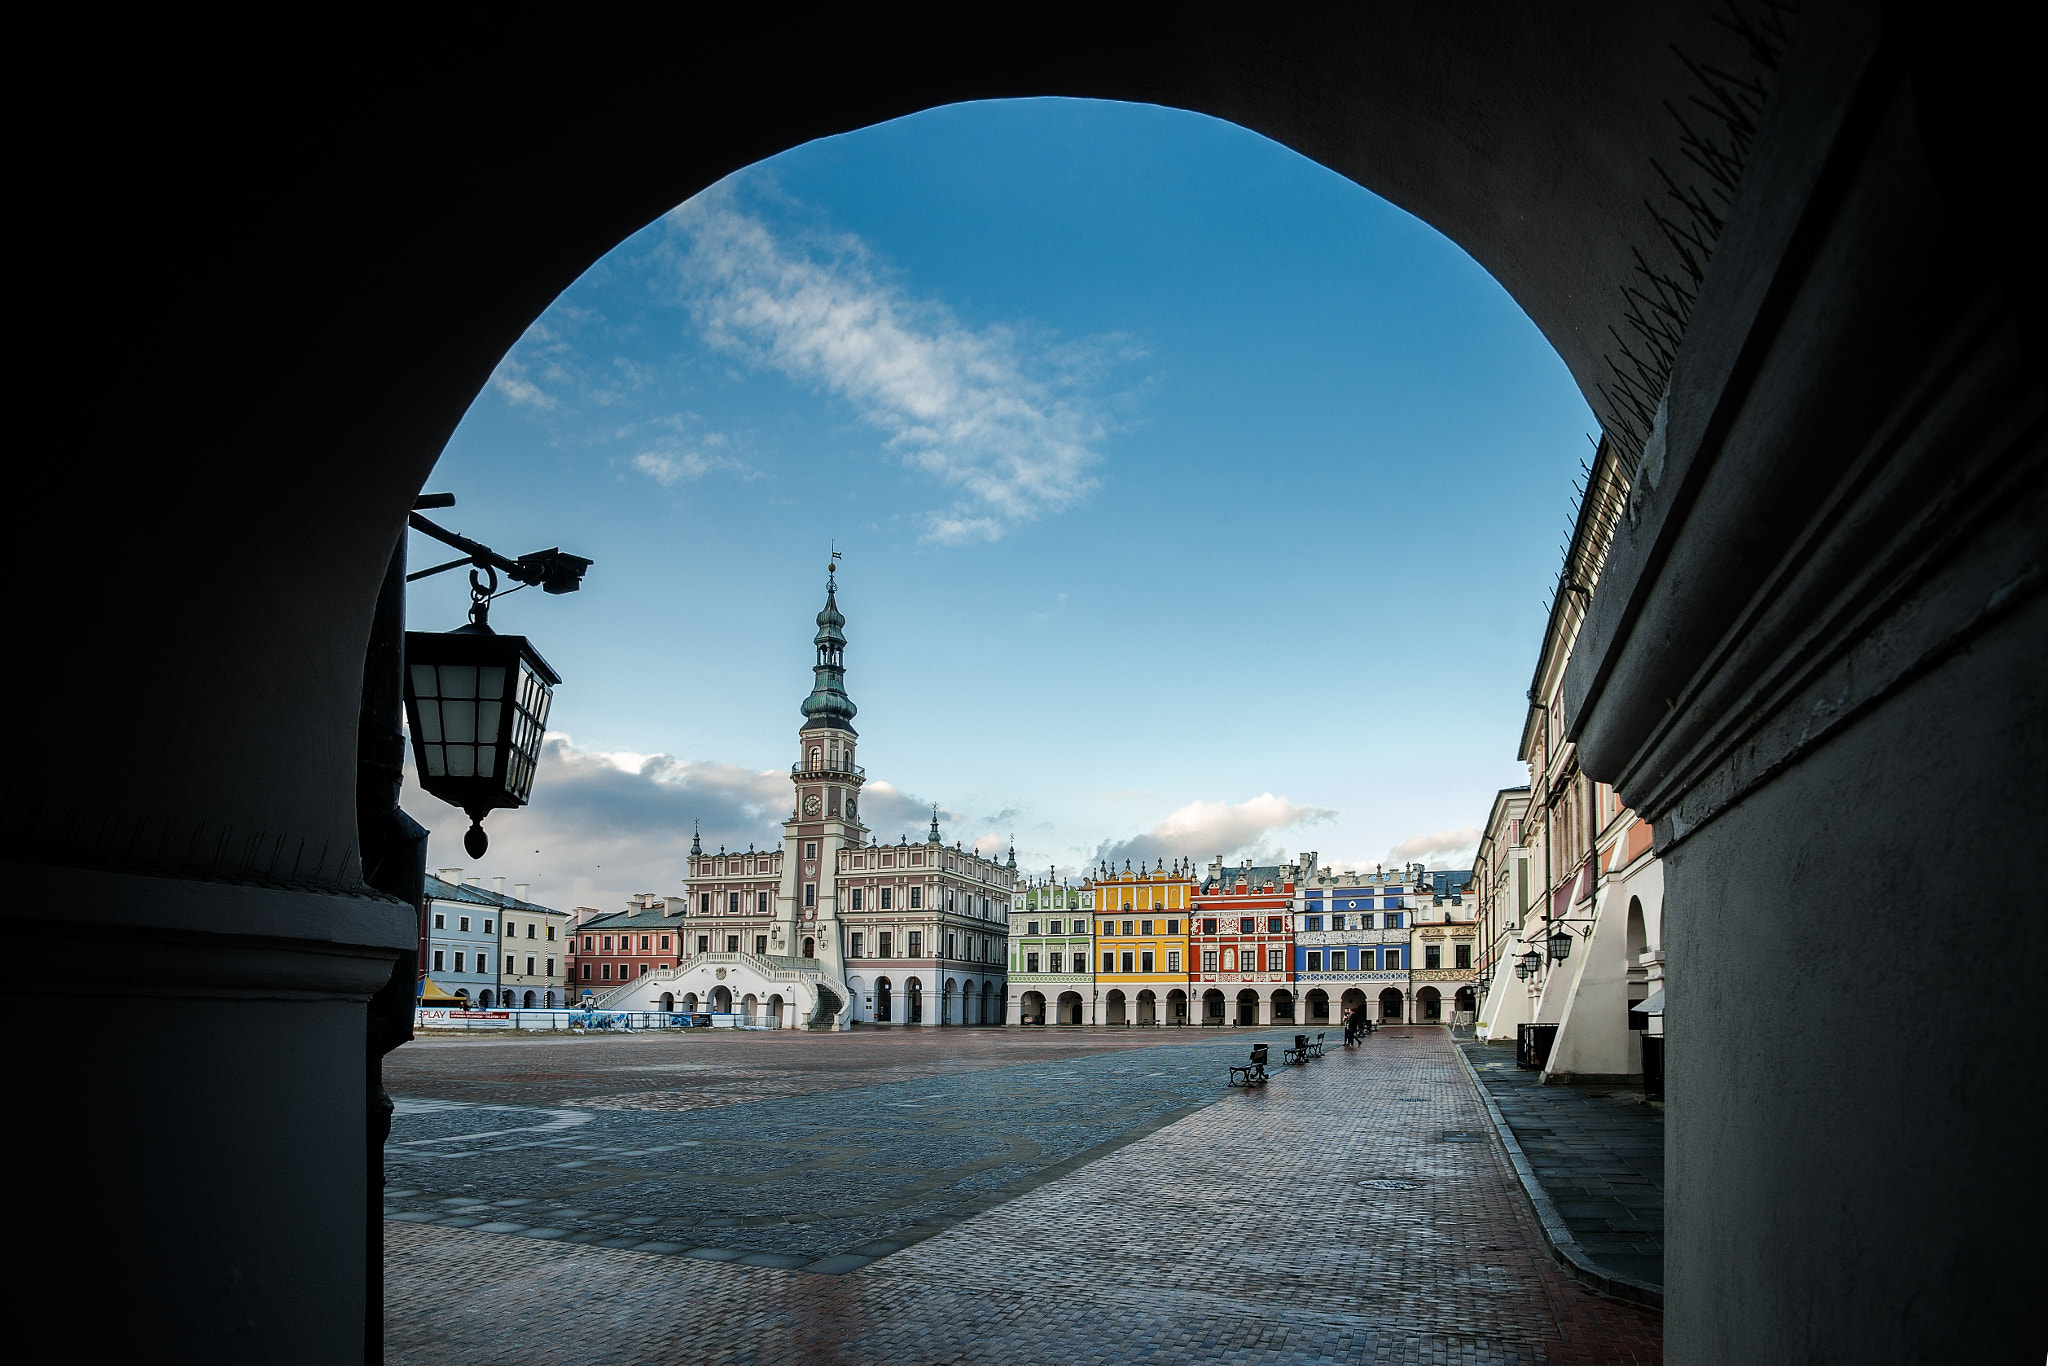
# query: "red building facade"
[1241,949]
[608,950]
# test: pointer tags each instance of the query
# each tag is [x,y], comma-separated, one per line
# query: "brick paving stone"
[1237,1232]
[1598,1153]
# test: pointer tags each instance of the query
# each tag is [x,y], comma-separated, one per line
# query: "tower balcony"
[809,772]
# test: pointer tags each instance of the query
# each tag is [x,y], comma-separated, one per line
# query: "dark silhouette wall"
[266,270]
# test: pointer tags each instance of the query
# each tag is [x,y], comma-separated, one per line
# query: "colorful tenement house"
[1352,942]
[1141,945]
[926,928]
[615,951]
[1446,935]
[494,950]
[1052,958]
[1243,942]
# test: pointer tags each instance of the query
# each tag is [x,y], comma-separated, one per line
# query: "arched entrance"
[1247,1007]
[483,1000]
[1212,1007]
[1463,1002]
[1283,1007]
[1113,1008]
[990,1004]
[1070,1008]
[1318,1006]
[810,947]
[690,1003]
[1390,1006]
[1429,1006]
[749,1009]
[947,993]
[773,1019]
[1177,1007]
[913,997]
[1031,1008]
[1148,1008]
[1352,1000]
[721,1000]
[668,1002]
[883,992]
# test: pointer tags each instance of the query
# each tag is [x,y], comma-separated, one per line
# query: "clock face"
[812,806]
[851,809]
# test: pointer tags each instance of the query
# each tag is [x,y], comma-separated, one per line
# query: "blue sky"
[1193,501]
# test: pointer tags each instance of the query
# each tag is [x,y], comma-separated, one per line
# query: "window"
[1130,927]
[464,922]
[1336,922]
[1208,960]
[605,971]
[1031,962]
[458,962]
[1173,960]
[607,943]
[1393,960]
[1314,922]
[856,899]
[437,961]
[886,898]
[440,921]
[1053,961]
[1173,927]
[885,950]
[1145,961]
[703,943]
[916,944]
[664,943]
[1337,960]
[760,943]
[487,927]
[1031,927]
[951,947]
[810,851]
[732,943]
[1392,922]
[1145,927]
[509,964]
[529,929]
[1128,958]
[1245,925]
[1464,957]
[761,902]
[1109,927]
[1208,925]
[1276,924]
[917,898]
[1109,962]
[1432,955]
[551,967]
[732,903]
[857,944]
[511,930]
[551,934]
[1056,928]
[529,967]
[646,943]
[1315,961]
[810,894]
[586,972]
[1274,960]
[704,903]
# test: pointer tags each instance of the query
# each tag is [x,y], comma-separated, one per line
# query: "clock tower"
[826,816]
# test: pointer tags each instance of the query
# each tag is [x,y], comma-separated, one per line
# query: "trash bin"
[1532,1045]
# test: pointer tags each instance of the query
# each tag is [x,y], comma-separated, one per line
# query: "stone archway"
[1031,1008]
[1148,1007]
[884,1004]
[990,1004]
[1429,1006]
[1113,1008]
[1318,1006]
[1390,1006]
[721,1000]
[1283,1007]
[668,1002]
[1248,1007]
[1070,1006]
[1176,1007]
[773,1017]
[1212,1007]
[913,1001]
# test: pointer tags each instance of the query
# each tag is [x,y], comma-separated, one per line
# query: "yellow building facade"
[1141,944]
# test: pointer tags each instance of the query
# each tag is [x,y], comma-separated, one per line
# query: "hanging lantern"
[1532,963]
[477,705]
[1560,944]
[1521,970]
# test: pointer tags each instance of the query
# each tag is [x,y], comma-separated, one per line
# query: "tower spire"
[828,707]
[935,823]
[696,839]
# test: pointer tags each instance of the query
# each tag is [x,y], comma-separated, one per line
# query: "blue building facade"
[462,938]
[1351,944]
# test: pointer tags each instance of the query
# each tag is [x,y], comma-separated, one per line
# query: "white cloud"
[674,465]
[1008,425]
[1206,829]
[1439,850]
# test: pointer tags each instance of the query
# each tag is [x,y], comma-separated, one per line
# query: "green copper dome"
[828,707]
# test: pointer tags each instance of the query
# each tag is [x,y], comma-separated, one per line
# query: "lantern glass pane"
[486,761]
[423,684]
[437,766]
[462,761]
[487,718]
[490,681]
[458,720]
[430,720]
[458,680]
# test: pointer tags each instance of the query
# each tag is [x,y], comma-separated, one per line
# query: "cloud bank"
[1203,830]
[1444,849]
[1009,425]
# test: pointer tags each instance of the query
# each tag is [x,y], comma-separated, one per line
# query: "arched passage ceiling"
[277,275]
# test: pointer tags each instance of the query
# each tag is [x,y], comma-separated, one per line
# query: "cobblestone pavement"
[1353,1210]
[1597,1151]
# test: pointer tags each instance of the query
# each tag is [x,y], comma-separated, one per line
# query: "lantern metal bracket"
[552,570]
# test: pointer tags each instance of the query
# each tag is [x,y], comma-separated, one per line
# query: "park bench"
[1302,1051]
[1252,1073]
[1316,1048]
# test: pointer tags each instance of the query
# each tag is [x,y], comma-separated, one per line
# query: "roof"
[635,919]
[1279,874]
[437,890]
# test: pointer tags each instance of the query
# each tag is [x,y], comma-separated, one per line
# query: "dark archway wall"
[263,272]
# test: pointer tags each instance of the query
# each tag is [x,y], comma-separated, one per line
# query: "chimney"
[520,889]
[475,882]
[498,885]
[451,876]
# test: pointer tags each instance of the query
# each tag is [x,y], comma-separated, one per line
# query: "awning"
[431,994]
[1654,1005]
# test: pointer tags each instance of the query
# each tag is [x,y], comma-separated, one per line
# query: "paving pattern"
[1354,1209]
[1597,1151]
